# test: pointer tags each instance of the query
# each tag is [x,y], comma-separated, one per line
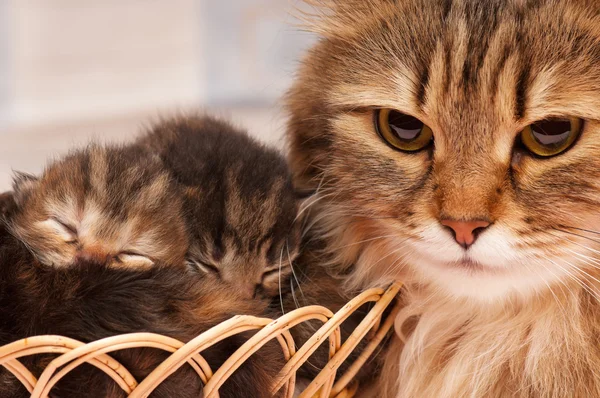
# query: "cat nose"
[93,256]
[465,232]
[248,292]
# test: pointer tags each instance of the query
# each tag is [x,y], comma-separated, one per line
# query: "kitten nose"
[465,232]
[93,256]
[248,292]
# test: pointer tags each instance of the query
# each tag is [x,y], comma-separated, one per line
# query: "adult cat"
[454,146]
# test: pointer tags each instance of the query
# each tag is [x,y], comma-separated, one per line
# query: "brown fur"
[89,301]
[523,320]
[313,285]
[240,206]
[114,203]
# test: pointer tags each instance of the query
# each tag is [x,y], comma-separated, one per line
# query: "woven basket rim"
[72,353]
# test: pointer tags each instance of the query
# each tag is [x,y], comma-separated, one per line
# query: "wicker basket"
[75,353]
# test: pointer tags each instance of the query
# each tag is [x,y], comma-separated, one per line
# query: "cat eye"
[551,137]
[270,274]
[67,227]
[202,266]
[135,259]
[69,232]
[402,131]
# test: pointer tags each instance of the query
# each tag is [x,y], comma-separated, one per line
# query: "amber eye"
[551,136]
[402,131]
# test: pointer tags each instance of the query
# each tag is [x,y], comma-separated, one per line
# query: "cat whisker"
[581,270]
[576,243]
[293,271]
[575,278]
[589,260]
[296,303]
[309,205]
[279,276]
[579,235]
[365,240]
[581,229]
[562,283]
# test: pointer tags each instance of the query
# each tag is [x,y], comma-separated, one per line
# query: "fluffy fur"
[314,285]
[240,205]
[89,301]
[516,314]
[102,203]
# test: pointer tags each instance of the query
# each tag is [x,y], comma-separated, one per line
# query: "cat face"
[415,120]
[110,205]
[252,248]
[240,205]
[254,240]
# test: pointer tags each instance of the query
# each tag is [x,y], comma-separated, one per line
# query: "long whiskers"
[579,235]
[581,229]
[294,273]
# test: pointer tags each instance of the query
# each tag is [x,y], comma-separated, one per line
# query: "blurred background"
[73,70]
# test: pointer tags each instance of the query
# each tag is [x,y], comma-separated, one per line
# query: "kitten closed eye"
[239,201]
[136,260]
[274,274]
[203,266]
[66,232]
[69,213]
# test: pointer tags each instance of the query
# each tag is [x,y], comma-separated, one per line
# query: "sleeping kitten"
[115,203]
[240,205]
[244,223]
[454,146]
[89,300]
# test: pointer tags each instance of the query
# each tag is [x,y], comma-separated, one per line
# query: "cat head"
[113,205]
[241,208]
[454,142]
[253,246]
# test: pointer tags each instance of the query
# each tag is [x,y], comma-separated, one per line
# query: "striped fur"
[239,203]
[110,204]
[524,321]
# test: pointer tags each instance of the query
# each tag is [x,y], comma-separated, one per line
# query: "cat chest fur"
[547,347]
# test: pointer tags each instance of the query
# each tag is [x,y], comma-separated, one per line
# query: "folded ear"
[23,185]
[7,204]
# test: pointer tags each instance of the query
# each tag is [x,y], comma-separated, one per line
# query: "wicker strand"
[354,339]
[73,353]
[21,373]
[59,345]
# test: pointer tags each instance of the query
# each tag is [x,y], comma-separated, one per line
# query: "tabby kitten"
[89,300]
[454,146]
[104,203]
[244,219]
[239,203]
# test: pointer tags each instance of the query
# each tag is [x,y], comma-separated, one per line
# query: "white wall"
[252,47]
[75,69]
[76,59]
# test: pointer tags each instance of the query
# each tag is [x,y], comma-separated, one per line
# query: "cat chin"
[481,283]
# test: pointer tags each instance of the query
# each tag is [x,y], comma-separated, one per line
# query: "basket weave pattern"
[73,353]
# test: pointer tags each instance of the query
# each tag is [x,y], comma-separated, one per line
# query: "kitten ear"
[7,204]
[23,184]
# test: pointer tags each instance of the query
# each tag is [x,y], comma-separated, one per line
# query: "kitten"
[454,146]
[245,222]
[240,205]
[115,203]
[90,300]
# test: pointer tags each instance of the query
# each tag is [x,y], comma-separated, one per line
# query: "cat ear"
[7,204]
[23,185]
